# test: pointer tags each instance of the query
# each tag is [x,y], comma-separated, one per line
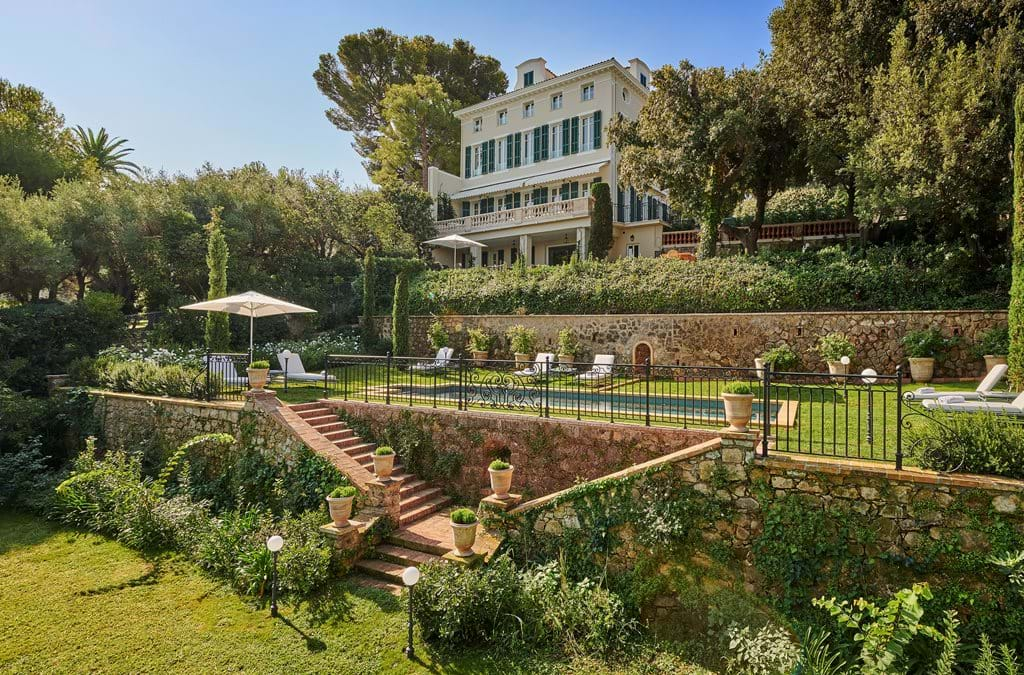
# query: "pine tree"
[1016,315]
[400,316]
[369,332]
[600,222]
[218,329]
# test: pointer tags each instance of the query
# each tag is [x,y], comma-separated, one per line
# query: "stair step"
[346,442]
[423,510]
[413,485]
[366,581]
[329,427]
[340,435]
[320,420]
[304,407]
[417,542]
[419,497]
[388,571]
[315,412]
[360,449]
[404,556]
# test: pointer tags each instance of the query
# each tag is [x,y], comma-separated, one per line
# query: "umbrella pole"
[250,337]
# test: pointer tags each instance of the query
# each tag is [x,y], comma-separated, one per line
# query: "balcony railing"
[536,213]
[817,229]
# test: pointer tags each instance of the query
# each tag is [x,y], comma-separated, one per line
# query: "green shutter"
[536,144]
[574,144]
[469,162]
[517,200]
[519,149]
[564,191]
[544,135]
[490,156]
[597,129]
[509,153]
[565,136]
[574,190]
[465,208]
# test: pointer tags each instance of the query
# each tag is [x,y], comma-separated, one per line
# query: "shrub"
[143,377]
[834,346]
[463,516]
[969,442]
[26,479]
[479,340]
[456,607]
[993,342]
[369,330]
[313,350]
[781,358]
[260,365]
[567,342]
[925,344]
[601,222]
[343,491]
[738,388]
[766,651]
[437,335]
[521,340]
[400,316]
[799,204]
[384,451]
[498,465]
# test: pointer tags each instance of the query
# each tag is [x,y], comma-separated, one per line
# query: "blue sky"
[189,82]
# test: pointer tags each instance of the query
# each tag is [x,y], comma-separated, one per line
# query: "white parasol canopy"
[252,305]
[455,242]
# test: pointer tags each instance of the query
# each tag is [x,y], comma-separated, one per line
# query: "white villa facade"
[528,160]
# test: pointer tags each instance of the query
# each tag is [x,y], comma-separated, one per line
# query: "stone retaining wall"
[733,339]
[549,454]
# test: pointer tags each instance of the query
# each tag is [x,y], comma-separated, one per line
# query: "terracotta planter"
[341,510]
[479,358]
[566,360]
[739,408]
[257,377]
[383,465]
[523,360]
[463,537]
[838,368]
[922,369]
[501,481]
[992,360]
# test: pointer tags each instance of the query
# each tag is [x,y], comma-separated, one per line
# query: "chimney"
[532,71]
[641,72]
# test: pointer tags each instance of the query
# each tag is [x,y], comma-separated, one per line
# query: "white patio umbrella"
[455,242]
[250,304]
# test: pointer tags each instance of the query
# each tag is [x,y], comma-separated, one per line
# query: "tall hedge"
[1016,317]
[368,336]
[600,222]
[400,316]
[218,330]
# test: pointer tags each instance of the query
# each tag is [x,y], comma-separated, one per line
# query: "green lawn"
[78,602]
[818,418]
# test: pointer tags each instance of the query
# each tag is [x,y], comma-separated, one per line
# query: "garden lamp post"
[274,545]
[410,575]
[870,376]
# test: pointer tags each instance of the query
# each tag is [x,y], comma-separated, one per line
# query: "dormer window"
[528,110]
[502,118]
[528,78]
[587,93]
[643,79]
[478,124]
[556,102]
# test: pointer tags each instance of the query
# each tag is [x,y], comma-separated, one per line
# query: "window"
[528,147]
[476,160]
[588,92]
[499,155]
[502,118]
[528,78]
[625,95]
[478,124]
[643,79]
[556,102]
[556,140]
[587,136]
[633,251]
[528,110]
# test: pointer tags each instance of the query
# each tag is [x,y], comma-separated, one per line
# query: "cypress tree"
[400,316]
[1016,316]
[218,330]
[369,331]
[600,222]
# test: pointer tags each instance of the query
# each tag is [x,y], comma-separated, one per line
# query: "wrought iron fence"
[223,377]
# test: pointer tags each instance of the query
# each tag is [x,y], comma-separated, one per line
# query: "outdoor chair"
[984,390]
[541,365]
[601,370]
[1014,408]
[441,361]
[291,366]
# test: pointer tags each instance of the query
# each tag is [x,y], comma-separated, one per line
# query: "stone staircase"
[424,534]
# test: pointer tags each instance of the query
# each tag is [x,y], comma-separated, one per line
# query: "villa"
[528,160]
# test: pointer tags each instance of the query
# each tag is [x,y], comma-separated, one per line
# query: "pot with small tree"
[779,359]
[464,523]
[258,371]
[568,347]
[521,341]
[339,503]
[479,345]
[500,472]
[838,351]
[437,336]
[993,347]
[384,462]
[923,348]
[738,400]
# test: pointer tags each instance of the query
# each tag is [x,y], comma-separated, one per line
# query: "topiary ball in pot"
[339,503]
[500,473]
[464,523]
[738,401]
[384,462]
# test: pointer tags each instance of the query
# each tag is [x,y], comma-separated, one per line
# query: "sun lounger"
[291,366]
[441,361]
[984,390]
[540,366]
[960,404]
[601,370]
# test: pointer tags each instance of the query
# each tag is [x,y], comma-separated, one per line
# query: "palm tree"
[107,151]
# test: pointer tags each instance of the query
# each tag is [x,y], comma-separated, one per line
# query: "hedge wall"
[878,278]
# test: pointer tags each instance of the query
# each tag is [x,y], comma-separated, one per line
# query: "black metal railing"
[223,377]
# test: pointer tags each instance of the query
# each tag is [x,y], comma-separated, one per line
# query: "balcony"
[807,231]
[524,215]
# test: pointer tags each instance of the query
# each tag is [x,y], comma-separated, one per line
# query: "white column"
[525,244]
[477,258]
[581,242]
